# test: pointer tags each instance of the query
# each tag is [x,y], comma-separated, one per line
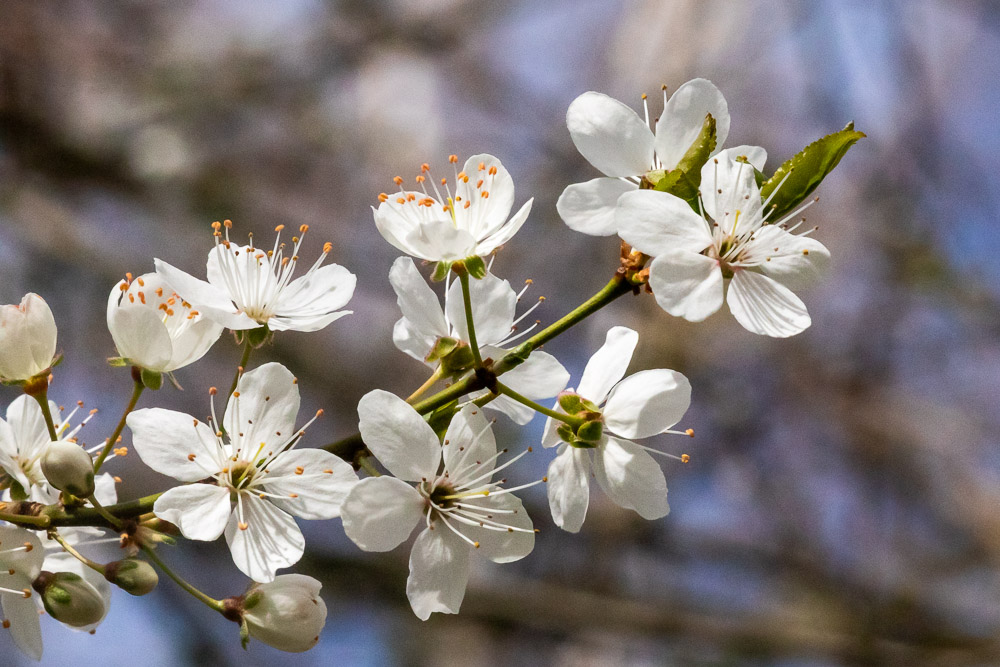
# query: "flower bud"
[69,468]
[27,339]
[287,613]
[69,599]
[134,576]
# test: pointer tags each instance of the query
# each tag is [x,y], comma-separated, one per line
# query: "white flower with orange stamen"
[425,325]
[251,481]
[249,287]
[156,329]
[732,241]
[445,225]
[462,508]
[619,143]
[27,339]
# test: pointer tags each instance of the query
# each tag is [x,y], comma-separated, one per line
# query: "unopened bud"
[69,599]
[287,613]
[132,575]
[69,468]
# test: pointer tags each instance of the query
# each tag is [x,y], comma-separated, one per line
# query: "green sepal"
[17,491]
[443,346]
[151,379]
[476,267]
[440,419]
[590,431]
[117,362]
[574,403]
[441,270]
[458,360]
[174,382]
[684,180]
[805,170]
[252,599]
[565,433]
[244,634]
[257,337]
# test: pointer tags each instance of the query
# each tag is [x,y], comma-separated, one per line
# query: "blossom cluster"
[698,223]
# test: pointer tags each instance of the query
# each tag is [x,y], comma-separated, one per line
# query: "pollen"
[328,471]
[299,470]
[685,458]
[383,197]
[327,247]
[6,624]
[28,546]
[192,457]
[453,159]
[244,525]
[228,224]
[690,432]
[212,391]
[398,180]
[493,171]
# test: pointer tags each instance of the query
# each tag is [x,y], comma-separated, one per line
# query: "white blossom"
[644,404]
[259,481]
[447,226]
[27,339]
[287,613]
[620,144]
[733,240]
[460,506]
[250,287]
[155,328]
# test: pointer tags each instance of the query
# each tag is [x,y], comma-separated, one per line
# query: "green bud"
[151,379]
[69,599]
[69,468]
[134,576]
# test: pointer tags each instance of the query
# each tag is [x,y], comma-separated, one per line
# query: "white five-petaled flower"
[156,329]
[460,505]
[250,479]
[250,287]
[615,140]
[24,439]
[424,323]
[451,225]
[695,254]
[27,338]
[644,404]
[287,613]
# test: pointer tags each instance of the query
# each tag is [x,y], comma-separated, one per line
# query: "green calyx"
[587,427]
[473,266]
[454,355]
[255,337]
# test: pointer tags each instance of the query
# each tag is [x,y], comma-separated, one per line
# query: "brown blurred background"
[841,504]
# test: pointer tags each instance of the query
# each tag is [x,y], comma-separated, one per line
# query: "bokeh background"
[841,503]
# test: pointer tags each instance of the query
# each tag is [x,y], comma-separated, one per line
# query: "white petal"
[589,207]
[550,438]
[398,436]
[658,222]
[569,487]
[686,284]
[416,300]
[608,365]
[647,403]
[271,539]
[485,215]
[756,155]
[494,303]
[139,333]
[501,546]
[269,398]
[506,231]
[439,572]
[683,117]
[25,563]
[380,513]
[794,261]
[41,326]
[766,307]
[199,510]
[165,441]
[309,303]
[104,489]
[319,481]
[25,628]
[209,299]
[193,342]
[305,322]
[469,447]
[631,478]
[540,376]
[440,241]
[610,135]
[407,338]
[728,186]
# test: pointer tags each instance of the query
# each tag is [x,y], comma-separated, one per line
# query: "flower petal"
[568,487]
[469,447]
[199,510]
[485,214]
[310,302]
[610,135]
[438,240]
[729,186]
[26,563]
[765,306]
[658,222]
[540,376]
[439,572]
[139,333]
[266,403]
[175,444]
[269,541]
[500,545]
[647,403]
[312,483]
[407,338]
[494,303]
[756,155]
[380,512]
[631,478]
[686,284]
[194,341]
[589,207]
[416,300]
[506,231]
[209,299]
[794,261]
[608,365]
[25,628]
[683,116]
[398,436]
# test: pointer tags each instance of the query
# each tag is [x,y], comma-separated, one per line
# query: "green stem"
[244,360]
[89,516]
[68,548]
[368,467]
[210,602]
[109,445]
[43,402]
[25,520]
[463,277]
[548,412]
[110,518]
[422,389]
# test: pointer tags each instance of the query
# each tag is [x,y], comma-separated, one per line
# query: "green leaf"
[684,180]
[801,173]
